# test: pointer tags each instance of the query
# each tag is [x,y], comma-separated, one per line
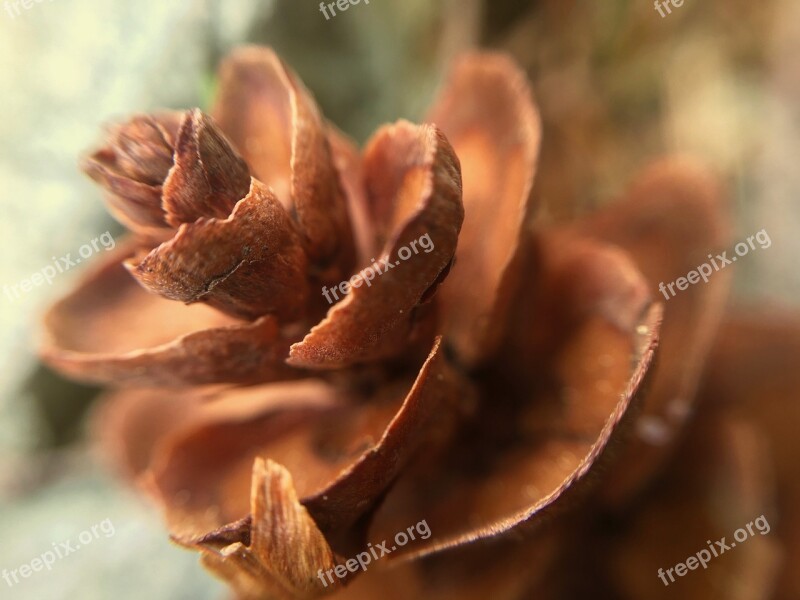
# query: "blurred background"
[618,85]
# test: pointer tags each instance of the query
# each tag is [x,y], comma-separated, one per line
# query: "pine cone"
[365,344]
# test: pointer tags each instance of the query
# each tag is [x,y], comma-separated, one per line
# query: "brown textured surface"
[531,445]
[349,164]
[435,393]
[208,177]
[528,432]
[487,111]
[110,330]
[248,265]
[132,167]
[753,375]
[728,486]
[414,185]
[344,455]
[284,547]
[276,125]
[673,216]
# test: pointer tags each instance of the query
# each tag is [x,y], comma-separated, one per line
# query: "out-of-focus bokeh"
[617,84]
